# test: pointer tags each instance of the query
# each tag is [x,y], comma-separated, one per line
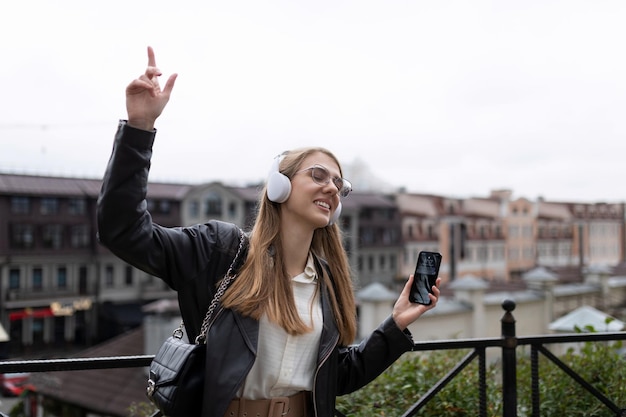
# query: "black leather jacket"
[191,259]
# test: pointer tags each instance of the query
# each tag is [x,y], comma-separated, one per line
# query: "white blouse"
[285,364]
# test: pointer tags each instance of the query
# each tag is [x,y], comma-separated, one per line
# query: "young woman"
[281,345]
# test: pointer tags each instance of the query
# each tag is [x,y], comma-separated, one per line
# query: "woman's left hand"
[406,312]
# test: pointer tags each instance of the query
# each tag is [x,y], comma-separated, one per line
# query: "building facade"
[58,286]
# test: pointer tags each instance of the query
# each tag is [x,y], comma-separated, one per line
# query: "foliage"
[141,409]
[397,389]
[601,364]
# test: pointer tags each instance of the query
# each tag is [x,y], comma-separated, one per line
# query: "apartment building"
[59,286]
[215,200]
[370,221]
[373,237]
[468,233]
[499,238]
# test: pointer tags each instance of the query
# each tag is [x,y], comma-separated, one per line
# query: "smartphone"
[426,272]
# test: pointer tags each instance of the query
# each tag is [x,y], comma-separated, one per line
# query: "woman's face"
[311,203]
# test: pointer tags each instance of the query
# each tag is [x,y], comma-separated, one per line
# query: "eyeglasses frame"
[346,186]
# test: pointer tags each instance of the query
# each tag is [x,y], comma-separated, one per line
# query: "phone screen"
[426,272]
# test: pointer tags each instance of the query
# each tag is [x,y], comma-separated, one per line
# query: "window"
[52,236]
[232,209]
[22,236]
[37,279]
[367,236]
[20,205]
[62,277]
[108,276]
[77,206]
[213,203]
[388,236]
[165,206]
[14,279]
[194,209]
[128,276]
[365,213]
[49,205]
[80,236]
[82,280]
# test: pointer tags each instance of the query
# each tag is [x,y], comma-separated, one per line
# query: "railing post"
[509,361]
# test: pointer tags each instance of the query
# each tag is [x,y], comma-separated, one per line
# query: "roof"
[17,184]
[587,316]
[104,391]
[376,292]
[554,211]
[359,200]
[418,204]
[250,193]
[40,185]
[481,207]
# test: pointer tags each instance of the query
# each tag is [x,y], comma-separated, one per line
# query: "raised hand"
[144,98]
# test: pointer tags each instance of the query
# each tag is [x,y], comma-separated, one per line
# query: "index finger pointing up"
[151,60]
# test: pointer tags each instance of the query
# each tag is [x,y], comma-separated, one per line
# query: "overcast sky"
[454,98]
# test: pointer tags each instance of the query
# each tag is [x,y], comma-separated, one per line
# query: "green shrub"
[599,363]
[397,389]
[402,385]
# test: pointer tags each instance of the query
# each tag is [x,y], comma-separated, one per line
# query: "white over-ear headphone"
[278,184]
[279,187]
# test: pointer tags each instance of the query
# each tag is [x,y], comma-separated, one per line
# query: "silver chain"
[228,278]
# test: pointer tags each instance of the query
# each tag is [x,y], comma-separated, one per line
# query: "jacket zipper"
[317,371]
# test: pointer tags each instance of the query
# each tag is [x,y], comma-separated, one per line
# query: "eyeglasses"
[321,176]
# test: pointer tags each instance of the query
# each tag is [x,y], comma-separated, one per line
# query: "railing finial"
[508,305]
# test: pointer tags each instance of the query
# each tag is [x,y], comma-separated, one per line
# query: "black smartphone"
[426,272]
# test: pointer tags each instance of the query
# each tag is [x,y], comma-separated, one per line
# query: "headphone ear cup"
[335,216]
[278,185]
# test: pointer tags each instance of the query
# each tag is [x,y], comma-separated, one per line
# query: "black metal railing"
[508,342]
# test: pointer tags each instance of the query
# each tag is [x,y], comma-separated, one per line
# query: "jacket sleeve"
[360,364]
[125,226]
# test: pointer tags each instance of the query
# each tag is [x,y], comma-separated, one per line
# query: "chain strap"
[228,278]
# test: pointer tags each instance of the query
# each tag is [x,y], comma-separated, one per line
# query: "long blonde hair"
[263,285]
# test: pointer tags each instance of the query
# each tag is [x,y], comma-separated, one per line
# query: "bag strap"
[226,281]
